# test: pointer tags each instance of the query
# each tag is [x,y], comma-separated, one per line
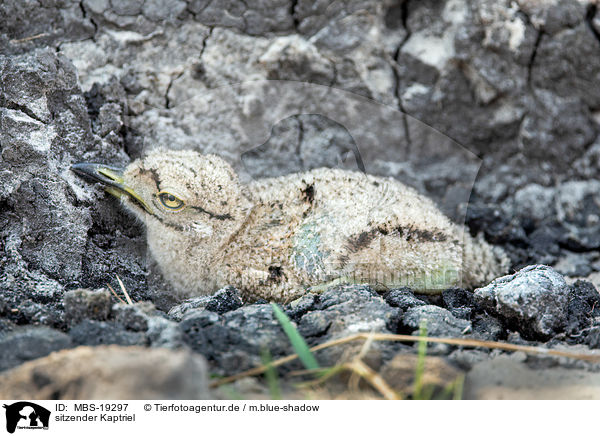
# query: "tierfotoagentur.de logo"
[24,415]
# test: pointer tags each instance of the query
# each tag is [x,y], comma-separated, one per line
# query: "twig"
[357,366]
[407,338]
[115,294]
[124,291]
[28,38]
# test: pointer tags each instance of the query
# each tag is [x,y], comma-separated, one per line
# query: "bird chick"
[278,238]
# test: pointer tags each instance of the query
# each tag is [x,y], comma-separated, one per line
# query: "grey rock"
[49,24]
[6,327]
[533,300]
[352,309]
[575,264]
[578,210]
[86,304]
[144,318]
[157,10]
[50,240]
[561,121]
[533,202]
[133,317]
[27,343]
[164,333]
[439,322]
[89,332]
[569,59]
[224,300]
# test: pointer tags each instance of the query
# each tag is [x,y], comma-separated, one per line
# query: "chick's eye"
[171,201]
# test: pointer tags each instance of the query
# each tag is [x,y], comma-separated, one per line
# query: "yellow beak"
[111,178]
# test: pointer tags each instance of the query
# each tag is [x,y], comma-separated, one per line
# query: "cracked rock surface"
[508,88]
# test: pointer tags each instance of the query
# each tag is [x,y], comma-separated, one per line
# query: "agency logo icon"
[26,415]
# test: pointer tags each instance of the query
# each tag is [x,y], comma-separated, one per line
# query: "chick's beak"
[111,178]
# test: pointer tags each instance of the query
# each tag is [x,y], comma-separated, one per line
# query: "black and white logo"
[26,415]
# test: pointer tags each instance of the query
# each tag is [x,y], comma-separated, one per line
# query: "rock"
[459,302]
[27,343]
[533,202]
[224,300]
[583,310]
[575,264]
[532,301]
[234,341]
[350,309]
[49,237]
[403,298]
[438,321]
[578,210]
[134,317]
[487,328]
[144,318]
[85,304]
[90,332]
[109,372]
[301,306]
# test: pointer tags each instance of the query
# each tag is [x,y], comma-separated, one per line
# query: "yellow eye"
[171,201]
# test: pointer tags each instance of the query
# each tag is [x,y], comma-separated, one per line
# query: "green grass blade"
[271,375]
[420,370]
[458,387]
[297,341]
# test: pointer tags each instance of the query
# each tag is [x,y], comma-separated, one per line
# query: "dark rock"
[487,328]
[403,298]
[314,324]
[300,306]
[497,227]
[27,343]
[50,240]
[234,341]
[225,300]
[583,308]
[90,332]
[86,304]
[459,302]
[532,301]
